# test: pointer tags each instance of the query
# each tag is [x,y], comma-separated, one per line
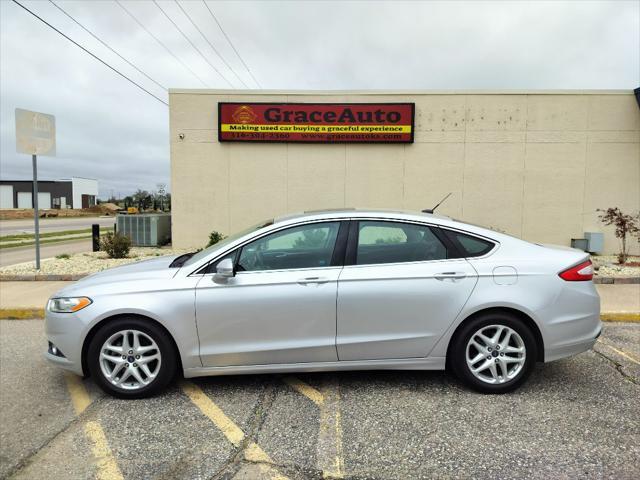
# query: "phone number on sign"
[318,137]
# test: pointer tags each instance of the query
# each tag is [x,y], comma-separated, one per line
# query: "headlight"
[68,304]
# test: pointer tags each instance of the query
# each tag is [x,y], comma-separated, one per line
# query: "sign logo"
[244,115]
[316,122]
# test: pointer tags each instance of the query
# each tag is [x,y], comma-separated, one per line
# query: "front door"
[401,292]
[280,307]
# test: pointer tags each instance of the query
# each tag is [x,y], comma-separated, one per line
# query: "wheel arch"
[526,319]
[92,333]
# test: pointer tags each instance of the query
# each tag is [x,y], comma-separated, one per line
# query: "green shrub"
[215,237]
[115,245]
[63,256]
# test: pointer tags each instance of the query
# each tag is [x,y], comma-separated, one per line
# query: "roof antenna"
[431,210]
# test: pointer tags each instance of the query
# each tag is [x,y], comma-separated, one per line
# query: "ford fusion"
[333,290]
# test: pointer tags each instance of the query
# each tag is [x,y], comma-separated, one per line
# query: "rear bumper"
[567,350]
[571,323]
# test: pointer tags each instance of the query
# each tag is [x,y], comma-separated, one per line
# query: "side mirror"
[224,269]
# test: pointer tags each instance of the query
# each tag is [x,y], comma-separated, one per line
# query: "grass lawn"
[26,239]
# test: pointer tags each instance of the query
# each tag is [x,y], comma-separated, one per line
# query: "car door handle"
[450,275]
[312,280]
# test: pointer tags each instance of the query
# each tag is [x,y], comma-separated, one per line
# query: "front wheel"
[494,353]
[131,358]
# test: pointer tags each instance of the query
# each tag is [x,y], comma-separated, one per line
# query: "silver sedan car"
[332,290]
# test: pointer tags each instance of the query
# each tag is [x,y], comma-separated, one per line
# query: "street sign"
[35,133]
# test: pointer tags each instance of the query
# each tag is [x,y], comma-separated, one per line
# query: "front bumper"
[66,331]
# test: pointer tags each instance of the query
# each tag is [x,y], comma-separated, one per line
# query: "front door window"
[304,246]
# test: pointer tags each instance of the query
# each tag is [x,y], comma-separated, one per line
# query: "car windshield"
[231,238]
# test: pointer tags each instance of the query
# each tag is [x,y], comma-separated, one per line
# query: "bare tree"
[626,226]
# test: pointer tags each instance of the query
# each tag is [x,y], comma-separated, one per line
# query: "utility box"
[595,242]
[145,229]
[580,244]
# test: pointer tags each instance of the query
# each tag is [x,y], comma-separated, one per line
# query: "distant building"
[76,192]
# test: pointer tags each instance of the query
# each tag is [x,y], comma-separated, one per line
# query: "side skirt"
[431,363]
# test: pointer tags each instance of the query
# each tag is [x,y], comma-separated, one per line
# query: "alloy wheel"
[130,359]
[495,354]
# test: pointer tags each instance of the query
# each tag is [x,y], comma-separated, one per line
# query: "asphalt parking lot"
[578,417]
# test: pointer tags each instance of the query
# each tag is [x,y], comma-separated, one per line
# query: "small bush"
[115,245]
[63,256]
[215,237]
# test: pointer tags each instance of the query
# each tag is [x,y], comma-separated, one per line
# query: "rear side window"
[469,245]
[392,242]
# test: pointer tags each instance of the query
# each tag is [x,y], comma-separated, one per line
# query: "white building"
[75,192]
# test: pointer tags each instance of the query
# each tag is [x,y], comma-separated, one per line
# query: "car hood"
[155,268]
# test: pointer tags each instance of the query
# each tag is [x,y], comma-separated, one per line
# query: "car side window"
[394,242]
[471,246]
[305,246]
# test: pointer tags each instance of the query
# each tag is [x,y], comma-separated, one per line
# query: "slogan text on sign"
[316,123]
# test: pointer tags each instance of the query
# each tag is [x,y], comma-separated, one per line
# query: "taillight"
[579,273]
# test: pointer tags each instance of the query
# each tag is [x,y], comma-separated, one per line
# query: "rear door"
[399,291]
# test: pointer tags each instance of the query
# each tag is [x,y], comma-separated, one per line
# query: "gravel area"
[83,263]
[607,266]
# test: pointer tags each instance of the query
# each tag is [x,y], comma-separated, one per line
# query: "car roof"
[407,215]
[359,213]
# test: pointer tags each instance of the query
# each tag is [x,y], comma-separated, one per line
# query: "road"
[11,256]
[574,418]
[17,227]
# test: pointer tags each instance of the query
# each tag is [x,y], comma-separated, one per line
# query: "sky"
[109,129]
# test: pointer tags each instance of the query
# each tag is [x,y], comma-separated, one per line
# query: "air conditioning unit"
[595,242]
[146,229]
[580,244]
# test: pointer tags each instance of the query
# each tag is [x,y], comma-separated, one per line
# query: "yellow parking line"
[307,390]
[234,434]
[230,430]
[329,450]
[107,468]
[105,463]
[79,396]
[338,471]
[620,352]
[330,458]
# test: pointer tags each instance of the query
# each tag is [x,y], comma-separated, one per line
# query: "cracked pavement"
[576,417]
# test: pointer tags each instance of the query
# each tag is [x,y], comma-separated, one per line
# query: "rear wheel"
[131,358]
[494,353]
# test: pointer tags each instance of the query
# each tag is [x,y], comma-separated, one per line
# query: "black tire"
[458,351]
[167,367]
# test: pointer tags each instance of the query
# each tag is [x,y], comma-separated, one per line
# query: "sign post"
[36,215]
[35,135]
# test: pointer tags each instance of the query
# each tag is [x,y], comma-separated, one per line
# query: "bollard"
[95,237]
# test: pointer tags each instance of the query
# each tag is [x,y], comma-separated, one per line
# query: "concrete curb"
[77,276]
[21,313]
[38,313]
[43,278]
[620,317]
[615,280]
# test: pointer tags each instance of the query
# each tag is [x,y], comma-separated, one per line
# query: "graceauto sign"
[316,122]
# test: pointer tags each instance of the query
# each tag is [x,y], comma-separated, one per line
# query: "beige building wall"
[533,164]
